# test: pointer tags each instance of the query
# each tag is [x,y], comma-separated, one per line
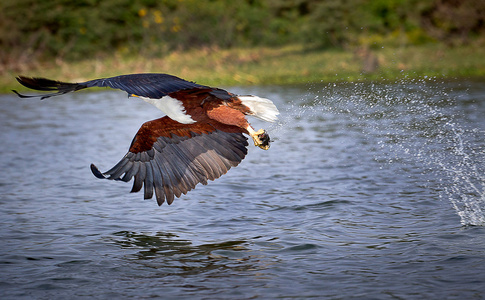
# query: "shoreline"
[286,65]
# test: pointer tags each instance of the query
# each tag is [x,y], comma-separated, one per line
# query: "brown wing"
[172,158]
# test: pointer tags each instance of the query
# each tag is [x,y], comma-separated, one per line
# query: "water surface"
[369,191]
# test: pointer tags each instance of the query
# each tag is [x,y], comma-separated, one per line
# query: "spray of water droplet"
[415,122]
[466,191]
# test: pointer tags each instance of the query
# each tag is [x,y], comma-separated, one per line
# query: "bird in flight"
[199,139]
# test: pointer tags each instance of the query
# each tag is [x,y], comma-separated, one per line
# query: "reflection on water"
[171,255]
[360,196]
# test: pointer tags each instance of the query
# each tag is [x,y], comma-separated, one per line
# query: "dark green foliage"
[64,29]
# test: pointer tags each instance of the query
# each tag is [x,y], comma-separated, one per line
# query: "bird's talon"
[261,139]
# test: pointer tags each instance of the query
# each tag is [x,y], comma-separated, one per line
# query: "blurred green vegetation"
[35,35]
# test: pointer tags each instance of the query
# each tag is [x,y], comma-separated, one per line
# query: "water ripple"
[362,195]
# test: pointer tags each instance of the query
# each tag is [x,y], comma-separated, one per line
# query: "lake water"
[369,191]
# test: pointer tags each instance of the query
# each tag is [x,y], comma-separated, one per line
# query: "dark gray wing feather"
[176,165]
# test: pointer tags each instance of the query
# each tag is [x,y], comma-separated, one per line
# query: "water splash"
[466,191]
[417,122]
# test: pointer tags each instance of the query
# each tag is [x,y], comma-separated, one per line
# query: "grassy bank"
[287,65]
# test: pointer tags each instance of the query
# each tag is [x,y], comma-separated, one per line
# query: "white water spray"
[416,121]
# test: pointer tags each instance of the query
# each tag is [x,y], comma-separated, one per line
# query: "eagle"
[201,136]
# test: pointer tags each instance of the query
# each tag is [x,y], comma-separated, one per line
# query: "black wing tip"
[43,84]
[21,78]
[37,83]
[42,97]
[21,95]
[97,172]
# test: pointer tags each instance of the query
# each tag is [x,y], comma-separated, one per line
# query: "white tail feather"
[261,108]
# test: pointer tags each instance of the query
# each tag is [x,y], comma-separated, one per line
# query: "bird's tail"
[43,84]
[261,108]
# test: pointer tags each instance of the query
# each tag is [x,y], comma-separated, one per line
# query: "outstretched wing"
[150,85]
[172,158]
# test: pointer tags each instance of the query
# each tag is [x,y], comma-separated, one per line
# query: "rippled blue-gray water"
[369,191]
